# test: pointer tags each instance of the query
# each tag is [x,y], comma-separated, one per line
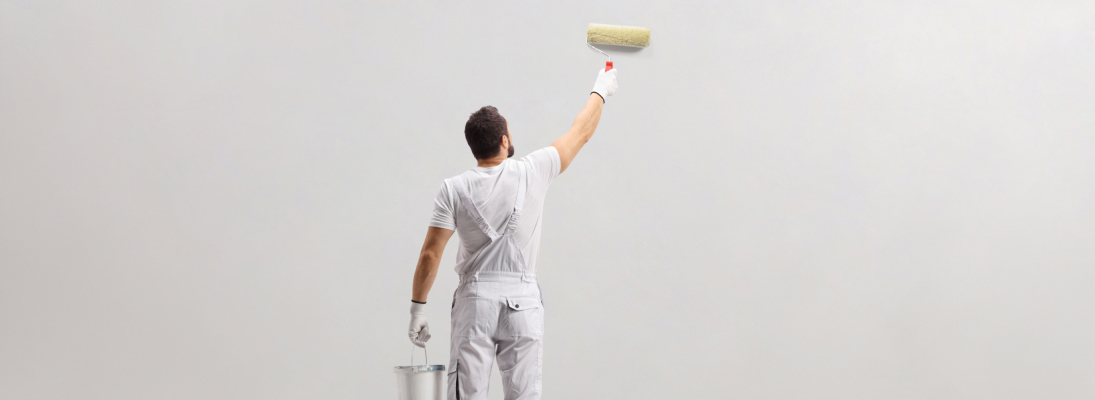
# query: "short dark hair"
[484,132]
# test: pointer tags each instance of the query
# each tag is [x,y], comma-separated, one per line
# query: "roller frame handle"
[608,65]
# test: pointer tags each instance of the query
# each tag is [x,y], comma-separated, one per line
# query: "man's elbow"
[584,138]
[429,257]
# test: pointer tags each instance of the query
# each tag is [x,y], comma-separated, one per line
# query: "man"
[497,313]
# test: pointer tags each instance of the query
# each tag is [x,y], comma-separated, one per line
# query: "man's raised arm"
[586,123]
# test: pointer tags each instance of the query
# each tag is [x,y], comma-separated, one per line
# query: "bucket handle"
[423,352]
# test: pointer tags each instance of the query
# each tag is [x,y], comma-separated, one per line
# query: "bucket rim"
[410,369]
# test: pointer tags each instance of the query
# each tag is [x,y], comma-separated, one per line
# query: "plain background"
[784,200]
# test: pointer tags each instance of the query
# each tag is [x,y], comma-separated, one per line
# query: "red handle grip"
[608,65]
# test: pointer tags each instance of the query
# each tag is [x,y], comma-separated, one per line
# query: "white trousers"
[499,317]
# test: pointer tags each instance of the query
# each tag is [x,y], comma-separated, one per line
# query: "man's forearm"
[428,259]
[424,275]
[586,121]
[580,132]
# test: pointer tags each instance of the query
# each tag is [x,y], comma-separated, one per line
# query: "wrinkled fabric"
[497,315]
[493,190]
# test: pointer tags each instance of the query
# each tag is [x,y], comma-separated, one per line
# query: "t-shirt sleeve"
[545,164]
[444,208]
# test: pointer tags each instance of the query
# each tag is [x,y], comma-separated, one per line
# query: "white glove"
[419,331]
[606,83]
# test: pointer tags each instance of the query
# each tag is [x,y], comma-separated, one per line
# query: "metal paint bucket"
[420,382]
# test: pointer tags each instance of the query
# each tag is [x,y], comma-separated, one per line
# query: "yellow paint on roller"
[632,36]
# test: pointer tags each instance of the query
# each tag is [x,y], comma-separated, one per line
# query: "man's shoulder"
[542,153]
[448,185]
[544,162]
[455,178]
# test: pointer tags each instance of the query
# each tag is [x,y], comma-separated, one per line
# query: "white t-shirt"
[494,190]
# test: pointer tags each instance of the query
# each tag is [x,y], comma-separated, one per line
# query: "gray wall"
[795,200]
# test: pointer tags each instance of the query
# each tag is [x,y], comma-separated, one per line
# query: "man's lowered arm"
[428,260]
[424,274]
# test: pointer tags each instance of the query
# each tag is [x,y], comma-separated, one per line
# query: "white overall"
[496,314]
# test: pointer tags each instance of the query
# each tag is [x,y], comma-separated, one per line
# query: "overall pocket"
[524,316]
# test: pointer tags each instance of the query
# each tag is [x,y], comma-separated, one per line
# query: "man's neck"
[490,162]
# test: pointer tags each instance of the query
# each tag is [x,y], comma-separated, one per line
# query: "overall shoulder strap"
[522,185]
[463,189]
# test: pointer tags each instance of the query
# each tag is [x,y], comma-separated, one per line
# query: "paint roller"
[616,35]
